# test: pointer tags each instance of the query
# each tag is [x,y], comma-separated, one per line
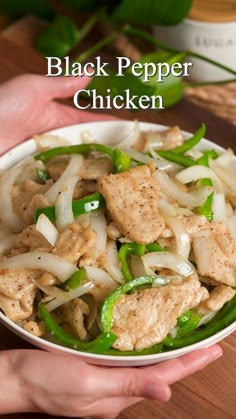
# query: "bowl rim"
[10,324]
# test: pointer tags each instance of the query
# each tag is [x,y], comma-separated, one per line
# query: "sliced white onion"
[231,222]
[78,292]
[8,243]
[194,173]
[99,225]
[205,319]
[181,236]
[47,229]
[87,137]
[48,262]
[218,207]
[163,164]
[158,161]
[226,158]
[100,277]
[227,177]
[229,209]
[165,208]
[184,211]
[63,206]
[52,291]
[177,263]
[72,170]
[111,262]
[173,332]
[159,281]
[188,199]
[7,214]
[29,171]
[46,141]
[129,139]
[137,267]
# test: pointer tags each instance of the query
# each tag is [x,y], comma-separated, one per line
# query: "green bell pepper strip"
[191,142]
[156,349]
[79,206]
[42,174]
[206,208]
[75,280]
[204,159]
[225,317]
[126,250]
[154,247]
[120,159]
[184,318]
[108,304]
[189,326]
[98,345]
[176,158]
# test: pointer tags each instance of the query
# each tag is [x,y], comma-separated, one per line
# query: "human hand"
[28,106]
[65,385]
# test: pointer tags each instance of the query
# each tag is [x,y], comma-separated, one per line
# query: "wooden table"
[211,392]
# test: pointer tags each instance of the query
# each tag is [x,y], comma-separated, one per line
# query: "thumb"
[64,87]
[126,382]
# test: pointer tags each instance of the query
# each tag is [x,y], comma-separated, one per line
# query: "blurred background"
[85,28]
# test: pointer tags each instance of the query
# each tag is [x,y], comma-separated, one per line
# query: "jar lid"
[213,10]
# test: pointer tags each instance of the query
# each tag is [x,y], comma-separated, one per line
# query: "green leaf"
[59,38]
[82,5]
[118,85]
[150,12]
[172,87]
[41,8]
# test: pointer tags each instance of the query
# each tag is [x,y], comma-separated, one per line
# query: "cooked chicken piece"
[93,168]
[31,239]
[56,167]
[217,298]
[15,283]
[166,140]
[215,253]
[18,310]
[73,314]
[48,279]
[131,199]
[231,197]
[192,224]
[84,188]
[36,329]
[113,232]
[144,318]
[74,242]
[27,197]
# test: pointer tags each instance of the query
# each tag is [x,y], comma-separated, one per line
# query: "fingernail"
[215,352]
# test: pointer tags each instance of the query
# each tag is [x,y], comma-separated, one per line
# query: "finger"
[64,87]
[176,369]
[129,382]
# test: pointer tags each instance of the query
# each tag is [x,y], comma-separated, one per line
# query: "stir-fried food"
[120,250]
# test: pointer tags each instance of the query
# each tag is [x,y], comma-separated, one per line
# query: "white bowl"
[103,132]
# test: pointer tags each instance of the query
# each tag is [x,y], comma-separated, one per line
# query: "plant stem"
[209,83]
[87,26]
[150,38]
[86,54]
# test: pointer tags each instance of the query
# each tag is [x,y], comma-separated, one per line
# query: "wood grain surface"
[209,393]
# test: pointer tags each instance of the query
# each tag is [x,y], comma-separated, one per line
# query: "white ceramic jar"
[215,40]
